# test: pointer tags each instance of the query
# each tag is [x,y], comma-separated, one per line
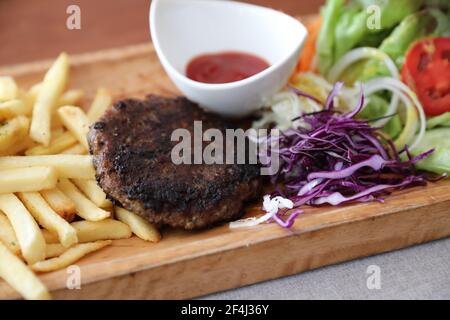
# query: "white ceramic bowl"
[184,29]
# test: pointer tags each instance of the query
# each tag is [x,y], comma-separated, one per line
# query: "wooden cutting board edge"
[274,258]
[279,253]
[79,59]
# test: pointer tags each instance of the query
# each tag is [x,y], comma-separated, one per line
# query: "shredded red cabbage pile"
[334,158]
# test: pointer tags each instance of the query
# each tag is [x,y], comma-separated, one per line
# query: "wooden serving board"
[190,264]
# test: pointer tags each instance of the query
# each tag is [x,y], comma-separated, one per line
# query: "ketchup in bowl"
[225,67]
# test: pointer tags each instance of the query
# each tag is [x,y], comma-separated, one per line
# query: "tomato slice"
[427,72]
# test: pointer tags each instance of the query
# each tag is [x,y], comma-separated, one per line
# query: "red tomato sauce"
[225,67]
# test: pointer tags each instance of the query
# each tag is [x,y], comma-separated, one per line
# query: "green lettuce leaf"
[439,160]
[377,108]
[442,120]
[325,41]
[426,23]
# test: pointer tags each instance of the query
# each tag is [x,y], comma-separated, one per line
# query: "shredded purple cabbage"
[339,159]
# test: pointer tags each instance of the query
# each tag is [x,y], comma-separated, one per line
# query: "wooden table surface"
[33,30]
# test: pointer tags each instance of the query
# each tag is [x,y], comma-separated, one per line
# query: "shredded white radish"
[287,105]
[309,186]
[349,94]
[271,206]
[319,80]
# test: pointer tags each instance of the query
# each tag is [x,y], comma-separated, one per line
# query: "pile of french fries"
[52,212]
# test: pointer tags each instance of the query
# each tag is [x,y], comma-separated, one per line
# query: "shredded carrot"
[309,50]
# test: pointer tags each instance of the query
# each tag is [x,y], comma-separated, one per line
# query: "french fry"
[19,147]
[85,207]
[70,256]
[31,240]
[67,166]
[57,144]
[60,203]
[48,218]
[101,103]
[27,179]
[51,238]
[8,236]
[75,120]
[28,99]
[54,250]
[13,132]
[18,276]
[93,192]
[140,227]
[43,138]
[56,122]
[34,91]
[8,89]
[76,149]
[13,108]
[56,133]
[88,231]
[52,87]
[70,97]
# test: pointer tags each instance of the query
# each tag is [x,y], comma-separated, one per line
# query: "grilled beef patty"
[131,146]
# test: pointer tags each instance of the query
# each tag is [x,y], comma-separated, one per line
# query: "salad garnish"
[333,152]
[335,158]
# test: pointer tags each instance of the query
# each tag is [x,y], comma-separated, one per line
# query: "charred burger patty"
[131,146]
